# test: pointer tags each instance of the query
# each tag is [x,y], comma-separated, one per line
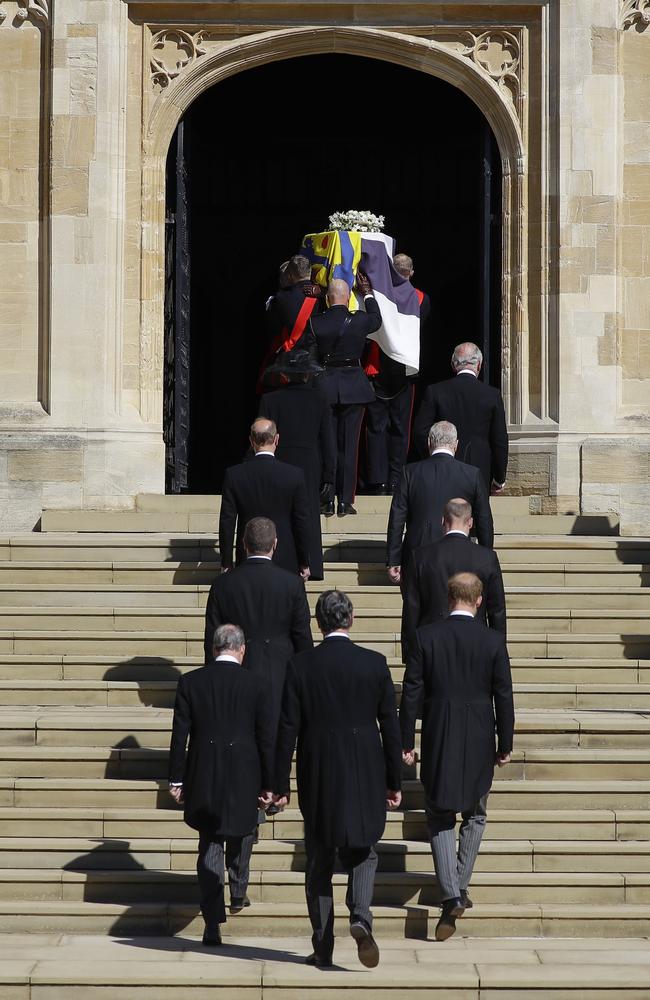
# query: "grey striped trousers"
[454,867]
[210,869]
[360,864]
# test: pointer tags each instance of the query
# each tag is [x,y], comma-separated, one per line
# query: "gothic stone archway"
[487,66]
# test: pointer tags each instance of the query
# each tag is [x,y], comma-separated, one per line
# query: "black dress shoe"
[238,903]
[345,508]
[327,509]
[465,900]
[319,961]
[366,945]
[212,937]
[446,926]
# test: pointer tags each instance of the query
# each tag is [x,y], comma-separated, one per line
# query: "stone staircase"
[99,615]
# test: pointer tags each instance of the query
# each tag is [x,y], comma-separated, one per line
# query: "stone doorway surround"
[488,61]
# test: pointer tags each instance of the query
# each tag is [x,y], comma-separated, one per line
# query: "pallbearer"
[461,669]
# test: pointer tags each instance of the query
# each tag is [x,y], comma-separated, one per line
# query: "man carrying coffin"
[462,670]
[224,712]
[339,704]
[340,340]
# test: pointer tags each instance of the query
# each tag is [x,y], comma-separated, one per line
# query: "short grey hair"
[300,266]
[466,355]
[334,611]
[227,638]
[443,435]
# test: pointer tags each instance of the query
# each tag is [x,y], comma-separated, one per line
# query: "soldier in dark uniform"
[303,417]
[340,340]
[388,418]
[289,310]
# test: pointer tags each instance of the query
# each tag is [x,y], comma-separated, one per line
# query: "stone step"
[391,888]
[375,619]
[93,727]
[77,966]
[364,523]
[119,573]
[70,547]
[158,503]
[504,824]
[179,854]
[169,644]
[194,596]
[280,920]
[144,762]
[151,679]
[513,793]
[54,692]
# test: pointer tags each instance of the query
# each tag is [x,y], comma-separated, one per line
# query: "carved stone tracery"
[635,14]
[497,52]
[171,50]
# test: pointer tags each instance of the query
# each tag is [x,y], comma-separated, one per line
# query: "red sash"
[286,341]
[420,295]
[372,363]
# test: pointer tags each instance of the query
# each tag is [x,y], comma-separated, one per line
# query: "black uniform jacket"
[223,710]
[344,381]
[462,670]
[425,587]
[286,304]
[339,703]
[270,605]
[265,487]
[304,420]
[424,489]
[477,412]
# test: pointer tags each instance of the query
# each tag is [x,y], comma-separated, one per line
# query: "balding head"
[464,592]
[443,435]
[338,292]
[264,435]
[403,264]
[467,356]
[457,516]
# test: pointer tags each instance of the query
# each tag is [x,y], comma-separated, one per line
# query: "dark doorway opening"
[263,158]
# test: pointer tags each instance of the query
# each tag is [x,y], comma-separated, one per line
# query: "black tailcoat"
[303,417]
[419,503]
[223,710]
[477,412]
[339,704]
[345,384]
[270,605]
[462,670]
[425,589]
[265,487]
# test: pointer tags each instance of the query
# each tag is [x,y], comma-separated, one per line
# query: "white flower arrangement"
[357,222]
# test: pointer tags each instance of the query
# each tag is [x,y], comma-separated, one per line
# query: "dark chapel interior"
[264,157]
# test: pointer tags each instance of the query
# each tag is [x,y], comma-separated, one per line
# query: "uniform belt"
[346,363]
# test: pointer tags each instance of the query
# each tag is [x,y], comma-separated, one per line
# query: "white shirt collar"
[461,614]
[268,558]
[226,658]
[443,451]
[467,371]
[269,454]
[337,634]
[457,531]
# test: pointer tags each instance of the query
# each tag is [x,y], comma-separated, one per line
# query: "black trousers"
[388,430]
[210,868]
[360,865]
[348,418]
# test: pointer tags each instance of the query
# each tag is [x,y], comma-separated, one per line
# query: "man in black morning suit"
[425,588]
[477,412]
[265,487]
[340,340]
[223,710]
[303,417]
[339,704]
[462,671]
[424,490]
[269,605]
